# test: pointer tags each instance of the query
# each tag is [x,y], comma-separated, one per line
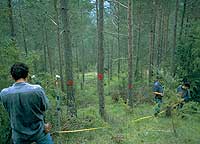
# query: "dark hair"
[187,84]
[19,70]
[158,77]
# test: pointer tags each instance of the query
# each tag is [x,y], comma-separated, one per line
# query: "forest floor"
[129,126]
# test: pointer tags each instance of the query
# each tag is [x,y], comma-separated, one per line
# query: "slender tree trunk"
[44,50]
[159,36]
[154,34]
[83,56]
[137,65]
[12,30]
[151,40]
[59,46]
[173,67]
[100,67]
[83,64]
[166,37]
[77,60]
[111,58]
[23,31]
[72,111]
[118,42]
[130,57]
[182,19]
[48,49]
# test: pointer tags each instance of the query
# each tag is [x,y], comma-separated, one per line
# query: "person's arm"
[156,90]
[44,100]
[157,93]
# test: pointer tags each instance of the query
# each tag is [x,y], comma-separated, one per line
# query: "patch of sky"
[93,11]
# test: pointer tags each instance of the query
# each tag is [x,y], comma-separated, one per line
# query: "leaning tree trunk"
[130,55]
[68,59]
[100,63]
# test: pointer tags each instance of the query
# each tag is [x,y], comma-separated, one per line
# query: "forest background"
[107,54]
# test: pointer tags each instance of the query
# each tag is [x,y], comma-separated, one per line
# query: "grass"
[121,128]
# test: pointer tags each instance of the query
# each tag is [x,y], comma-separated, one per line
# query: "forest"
[97,61]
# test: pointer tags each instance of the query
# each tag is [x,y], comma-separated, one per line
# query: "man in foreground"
[26,104]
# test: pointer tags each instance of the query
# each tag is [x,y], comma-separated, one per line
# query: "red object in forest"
[100,76]
[130,86]
[70,82]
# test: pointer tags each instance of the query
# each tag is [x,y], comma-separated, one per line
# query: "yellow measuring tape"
[81,130]
[146,117]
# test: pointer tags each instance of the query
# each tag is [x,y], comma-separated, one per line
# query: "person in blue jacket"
[184,93]
[26,104]
[158,92]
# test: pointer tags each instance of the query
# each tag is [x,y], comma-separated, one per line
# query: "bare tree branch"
[116,1]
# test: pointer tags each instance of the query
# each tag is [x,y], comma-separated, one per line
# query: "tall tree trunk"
[111,58]
[130,55]
[152,41]
[182,19]
[173,67]
[44,50]
[77,59]
[48,48]
[59,46]
[83,63]
[154,34]
[72,111]
[23,31]
[118,42]
[159,36]
[82,55]
[100,64]
[137,65]
[12,30]
[166,38]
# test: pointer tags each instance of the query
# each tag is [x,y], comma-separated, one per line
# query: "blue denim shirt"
[157,87]
[25,104]
[185,94]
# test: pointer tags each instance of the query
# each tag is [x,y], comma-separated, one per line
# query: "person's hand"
[47,127]
[162,94]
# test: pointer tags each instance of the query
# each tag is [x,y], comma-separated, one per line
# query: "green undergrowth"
[124,125]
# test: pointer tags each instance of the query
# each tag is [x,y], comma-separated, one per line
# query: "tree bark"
[130,57]
[100,67]
[48,48]
[23,31]
[159,37]
[182,19]
[72,111]
[118,42]
[173,67]
[82,55]
[59,46]
[138,43]
[152,41]
[12,30]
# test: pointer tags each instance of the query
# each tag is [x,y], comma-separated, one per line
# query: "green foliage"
[9,54]
[4,125]
[188,52]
